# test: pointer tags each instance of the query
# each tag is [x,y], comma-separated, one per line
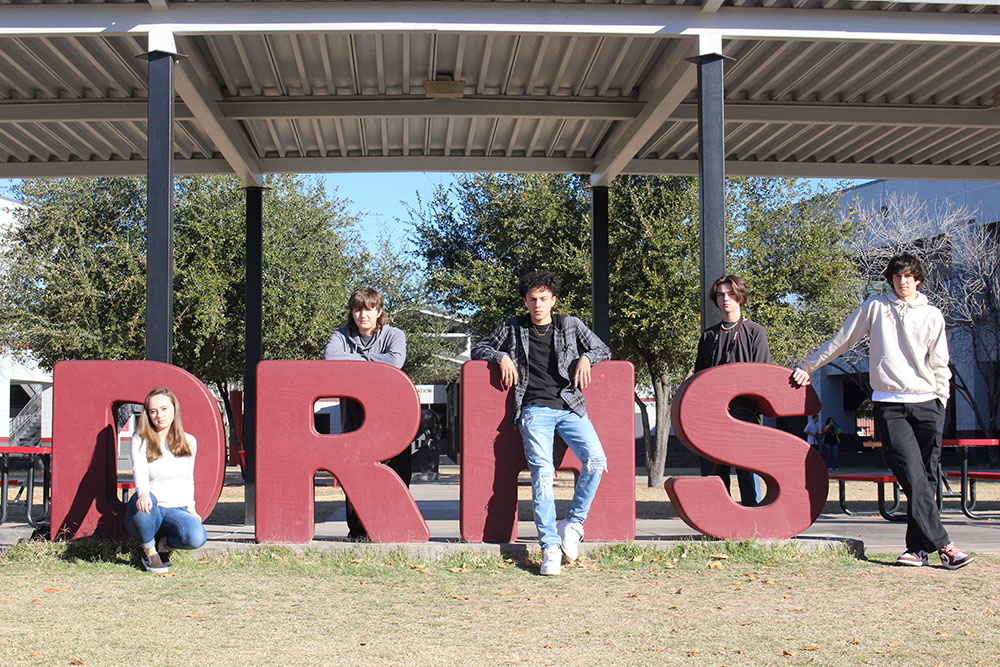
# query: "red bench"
[968,493]
[124,488]
[888,512]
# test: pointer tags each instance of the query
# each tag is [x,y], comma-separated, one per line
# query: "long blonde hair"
[176,440]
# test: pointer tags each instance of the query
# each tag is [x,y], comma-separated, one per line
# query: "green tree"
[74,285]
[481,234]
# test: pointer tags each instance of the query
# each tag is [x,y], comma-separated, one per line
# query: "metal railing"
[29,418]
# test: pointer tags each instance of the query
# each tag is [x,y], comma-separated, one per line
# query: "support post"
[600,271]
[254,299]
[711,172]
[160,207]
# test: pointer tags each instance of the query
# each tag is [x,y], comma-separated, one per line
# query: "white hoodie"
[908,347]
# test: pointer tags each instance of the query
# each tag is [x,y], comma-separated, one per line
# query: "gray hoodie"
[387,346]
[908,347]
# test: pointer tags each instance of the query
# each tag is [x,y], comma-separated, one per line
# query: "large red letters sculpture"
[795,474]
[493,455]
[84,440]
[290,451]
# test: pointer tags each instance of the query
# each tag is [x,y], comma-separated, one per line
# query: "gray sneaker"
[153,564]
[551,561]
[571,534]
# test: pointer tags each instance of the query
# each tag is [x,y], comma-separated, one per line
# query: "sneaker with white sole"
[153,564]
[952,558]
[912,559]
[551,561]
[571,534]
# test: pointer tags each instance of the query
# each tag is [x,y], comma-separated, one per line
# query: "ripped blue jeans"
[538,426]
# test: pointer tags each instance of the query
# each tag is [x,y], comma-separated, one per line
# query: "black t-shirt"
[544,383]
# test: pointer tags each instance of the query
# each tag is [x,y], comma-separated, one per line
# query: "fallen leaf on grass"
[812,648]
[787,652]
[425,570]
[769,581]
[714,565]
[501,565]
[549,646]
[720,556]
[669,566]
[167,574]
[883,651]
[76,662]
[356,560]
[412,566]
[942,634]
[968,634]
[673,606]
[637,559]
[505,592]
[632,595]
[855,640]
[363,582]
[459,569]
[893,644]
[192,616]
[54,590]
[459,597]
[36,601]
[693,653]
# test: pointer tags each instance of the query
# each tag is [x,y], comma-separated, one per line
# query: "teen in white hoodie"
[908,370]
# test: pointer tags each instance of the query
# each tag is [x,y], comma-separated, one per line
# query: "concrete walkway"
[439,503]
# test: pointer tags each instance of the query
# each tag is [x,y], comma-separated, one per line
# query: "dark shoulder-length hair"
[176,440]
[740,291]
[365,297]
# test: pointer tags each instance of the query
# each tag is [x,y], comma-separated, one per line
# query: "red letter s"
[795,474]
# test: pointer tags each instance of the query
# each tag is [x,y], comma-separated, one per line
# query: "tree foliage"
[481,234]
[74,279]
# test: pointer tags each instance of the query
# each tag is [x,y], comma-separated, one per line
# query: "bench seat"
[889,512]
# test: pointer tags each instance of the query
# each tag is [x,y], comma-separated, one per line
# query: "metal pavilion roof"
[823,88]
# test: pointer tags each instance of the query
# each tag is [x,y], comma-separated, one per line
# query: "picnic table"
[35,453]
[966,493]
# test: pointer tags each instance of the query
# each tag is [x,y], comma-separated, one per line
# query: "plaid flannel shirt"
[570,338]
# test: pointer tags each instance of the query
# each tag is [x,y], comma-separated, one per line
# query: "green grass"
[762,603]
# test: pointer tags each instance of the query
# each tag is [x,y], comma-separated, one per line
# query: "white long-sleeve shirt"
[169,478]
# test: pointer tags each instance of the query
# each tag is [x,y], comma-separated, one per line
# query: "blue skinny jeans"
[538,426]
[182,529]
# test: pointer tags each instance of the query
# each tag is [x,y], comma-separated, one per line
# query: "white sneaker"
[551,561]
[571,534]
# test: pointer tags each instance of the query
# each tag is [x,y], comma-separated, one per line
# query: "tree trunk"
[656,448]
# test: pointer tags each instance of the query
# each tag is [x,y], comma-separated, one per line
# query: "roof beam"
[306,108]
[203,18]
[626,140]
[83,110]
[224,133]
[928,172]
[458,164]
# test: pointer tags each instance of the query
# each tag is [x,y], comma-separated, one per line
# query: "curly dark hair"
[549,281]
[904,263]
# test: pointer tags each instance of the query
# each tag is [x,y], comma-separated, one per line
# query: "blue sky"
[379,200]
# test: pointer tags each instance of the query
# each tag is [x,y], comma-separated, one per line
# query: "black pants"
[911,440]
[351,416]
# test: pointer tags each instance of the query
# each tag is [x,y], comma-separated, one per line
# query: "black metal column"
[254,296]
[600,262]
[160,208]
[711,180]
